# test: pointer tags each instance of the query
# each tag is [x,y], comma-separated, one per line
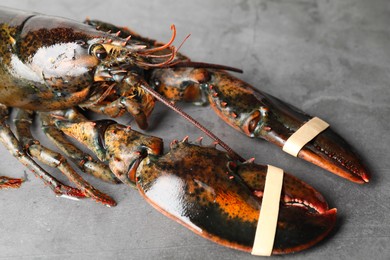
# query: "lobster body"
[54,66]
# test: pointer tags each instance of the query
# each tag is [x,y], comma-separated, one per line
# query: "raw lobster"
[54,66]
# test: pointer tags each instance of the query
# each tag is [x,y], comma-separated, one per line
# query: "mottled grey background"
[330,58]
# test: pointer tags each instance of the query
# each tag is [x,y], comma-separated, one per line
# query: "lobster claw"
[304,216]
[203,189]
[195,186]
[261,115]
[327,150]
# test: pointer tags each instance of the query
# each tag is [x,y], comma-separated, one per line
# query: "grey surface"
[330,58]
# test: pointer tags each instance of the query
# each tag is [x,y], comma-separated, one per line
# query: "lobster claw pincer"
[195,186]
[261,115]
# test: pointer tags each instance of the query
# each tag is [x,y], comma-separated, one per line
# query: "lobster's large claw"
[261,115]
[195,186]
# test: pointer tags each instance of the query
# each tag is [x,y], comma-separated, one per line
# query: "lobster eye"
[98,51]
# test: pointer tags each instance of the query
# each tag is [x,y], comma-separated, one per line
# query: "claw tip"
[366,177]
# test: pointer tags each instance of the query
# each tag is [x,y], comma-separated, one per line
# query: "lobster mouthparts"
[201,188]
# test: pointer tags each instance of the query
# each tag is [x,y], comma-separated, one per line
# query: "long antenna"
[195,64]
[175,108]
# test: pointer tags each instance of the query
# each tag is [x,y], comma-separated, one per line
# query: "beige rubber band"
[266,225]
[303,135]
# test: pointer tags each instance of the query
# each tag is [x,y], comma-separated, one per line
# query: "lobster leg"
[6,182]
[259,115]
[83,160]
[53,159]
[8,139]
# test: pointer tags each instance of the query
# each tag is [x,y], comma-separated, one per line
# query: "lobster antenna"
[181,44]
[194,64]
[162,47]
[175,108]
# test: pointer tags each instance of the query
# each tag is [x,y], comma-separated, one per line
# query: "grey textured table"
[330,58]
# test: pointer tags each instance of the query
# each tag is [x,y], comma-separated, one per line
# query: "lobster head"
[84,66]
[123,61]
